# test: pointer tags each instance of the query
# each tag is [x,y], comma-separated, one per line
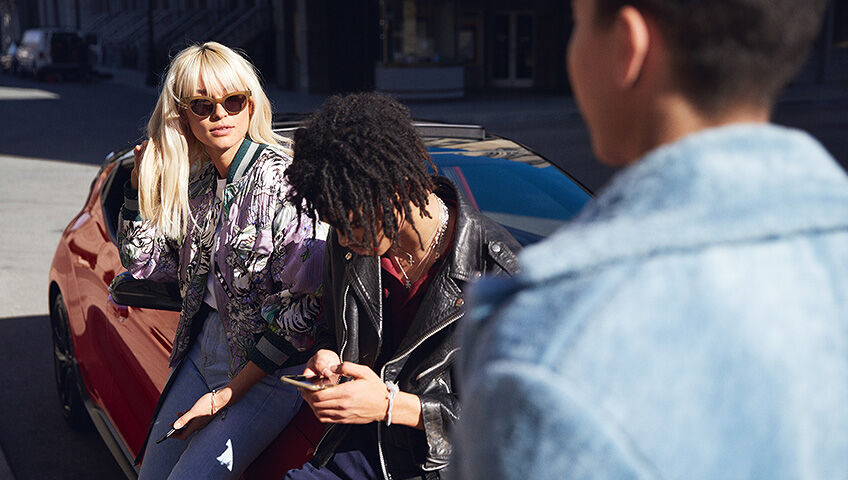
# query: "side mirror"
[126,290]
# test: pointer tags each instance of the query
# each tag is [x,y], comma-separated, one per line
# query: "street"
[54,136]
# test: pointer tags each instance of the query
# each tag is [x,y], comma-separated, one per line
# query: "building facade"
[416,49]
[144,34]
[454,46]
[15,17]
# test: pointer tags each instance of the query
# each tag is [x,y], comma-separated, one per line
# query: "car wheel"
[64,366]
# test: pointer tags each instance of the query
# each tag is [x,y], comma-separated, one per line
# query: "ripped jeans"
[237,435]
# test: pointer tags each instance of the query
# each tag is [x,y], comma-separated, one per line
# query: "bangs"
[210,70]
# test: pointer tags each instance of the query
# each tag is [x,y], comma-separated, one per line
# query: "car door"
[128,346]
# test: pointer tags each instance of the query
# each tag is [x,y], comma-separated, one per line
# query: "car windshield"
[510,184]
[32,36]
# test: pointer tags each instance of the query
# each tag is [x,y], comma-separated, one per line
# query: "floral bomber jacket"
[270,262]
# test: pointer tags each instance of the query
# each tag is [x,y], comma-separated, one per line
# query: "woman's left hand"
[201,413]
[361,400]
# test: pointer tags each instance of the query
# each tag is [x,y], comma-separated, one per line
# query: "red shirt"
[401,304]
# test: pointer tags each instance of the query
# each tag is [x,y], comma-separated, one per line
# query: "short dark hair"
[359,154]
[731,50]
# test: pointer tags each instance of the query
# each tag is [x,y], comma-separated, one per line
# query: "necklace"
[433,245]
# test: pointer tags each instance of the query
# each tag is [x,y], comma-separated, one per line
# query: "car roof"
[449,140]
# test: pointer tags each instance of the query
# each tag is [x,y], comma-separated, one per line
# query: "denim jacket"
[692,323]
[269,262]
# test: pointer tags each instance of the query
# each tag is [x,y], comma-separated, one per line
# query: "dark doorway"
[512,52]
[353,41]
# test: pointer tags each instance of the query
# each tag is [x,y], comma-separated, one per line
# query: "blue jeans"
[237,435]
[355,459]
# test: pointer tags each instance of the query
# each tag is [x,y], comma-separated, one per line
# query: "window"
[420,31]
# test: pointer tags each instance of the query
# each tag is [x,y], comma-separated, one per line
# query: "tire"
[65,369]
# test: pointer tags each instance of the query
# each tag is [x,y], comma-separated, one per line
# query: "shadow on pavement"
[37,442]
[76,122]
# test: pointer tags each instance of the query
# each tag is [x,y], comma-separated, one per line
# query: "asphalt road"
[70,121]
[37,200]
[53,136]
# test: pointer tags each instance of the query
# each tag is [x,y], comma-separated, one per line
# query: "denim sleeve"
[524,421]
[144,252]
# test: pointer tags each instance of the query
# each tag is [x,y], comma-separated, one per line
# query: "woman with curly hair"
[404,245]
[206,206]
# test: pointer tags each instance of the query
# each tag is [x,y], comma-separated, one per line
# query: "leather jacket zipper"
[447,359]
[341,353]
[327,431]
[406,352]
[420,341]
[344,322]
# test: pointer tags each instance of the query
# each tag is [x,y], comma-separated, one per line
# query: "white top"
[209,298]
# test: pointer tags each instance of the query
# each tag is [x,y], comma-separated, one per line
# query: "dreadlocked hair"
[359,155]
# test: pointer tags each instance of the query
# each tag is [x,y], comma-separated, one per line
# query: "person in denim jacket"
[692,322]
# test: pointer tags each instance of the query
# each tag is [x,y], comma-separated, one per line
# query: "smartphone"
[312,383]
[170,433]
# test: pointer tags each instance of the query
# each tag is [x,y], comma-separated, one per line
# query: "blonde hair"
[172,151]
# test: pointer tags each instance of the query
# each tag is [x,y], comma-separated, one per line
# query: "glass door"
[512,59]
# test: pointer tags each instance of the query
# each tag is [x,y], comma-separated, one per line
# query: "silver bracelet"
[212,402]
[393,391]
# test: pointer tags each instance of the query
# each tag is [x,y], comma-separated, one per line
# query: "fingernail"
[177,425]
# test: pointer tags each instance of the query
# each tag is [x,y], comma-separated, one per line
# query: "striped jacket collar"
[245,157]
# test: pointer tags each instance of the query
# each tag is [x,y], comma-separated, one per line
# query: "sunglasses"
[203,106]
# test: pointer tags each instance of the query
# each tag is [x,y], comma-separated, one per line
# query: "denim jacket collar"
[738,183]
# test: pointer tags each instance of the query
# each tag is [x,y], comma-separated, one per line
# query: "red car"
[112,346]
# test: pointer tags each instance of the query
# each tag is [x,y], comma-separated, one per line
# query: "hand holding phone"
[313,384]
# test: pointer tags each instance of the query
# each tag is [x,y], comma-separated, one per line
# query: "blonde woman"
[205,206]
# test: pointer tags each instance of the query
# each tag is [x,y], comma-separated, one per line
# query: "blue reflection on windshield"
[524,198]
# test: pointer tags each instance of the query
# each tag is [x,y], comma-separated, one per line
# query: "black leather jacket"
[422,363]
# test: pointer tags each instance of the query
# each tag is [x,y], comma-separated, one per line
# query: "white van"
[45,51]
